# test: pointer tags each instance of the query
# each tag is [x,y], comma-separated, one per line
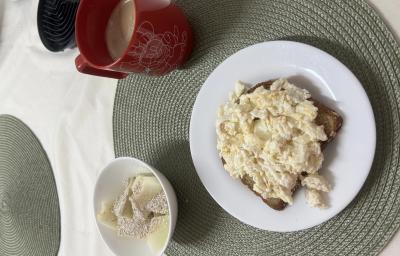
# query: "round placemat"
[29,210]
[152,115]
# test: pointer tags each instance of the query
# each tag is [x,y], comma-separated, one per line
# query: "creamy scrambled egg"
[271,135]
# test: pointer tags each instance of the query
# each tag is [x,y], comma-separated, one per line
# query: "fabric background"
[71,114]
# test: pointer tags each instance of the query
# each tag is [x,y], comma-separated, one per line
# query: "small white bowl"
[110,184]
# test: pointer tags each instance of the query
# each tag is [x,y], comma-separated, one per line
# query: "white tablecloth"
[71,114]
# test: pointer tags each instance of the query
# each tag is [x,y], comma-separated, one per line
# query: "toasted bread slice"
[327,117]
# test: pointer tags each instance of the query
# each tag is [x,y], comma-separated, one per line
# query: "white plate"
[348,158]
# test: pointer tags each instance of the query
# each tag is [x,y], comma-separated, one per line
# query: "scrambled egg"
[271,135]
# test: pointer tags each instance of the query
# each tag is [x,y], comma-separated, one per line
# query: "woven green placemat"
[152,114]
[29,210]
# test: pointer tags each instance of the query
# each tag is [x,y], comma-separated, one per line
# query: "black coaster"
[56,23]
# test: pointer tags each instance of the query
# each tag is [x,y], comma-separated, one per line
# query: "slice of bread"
[326,117]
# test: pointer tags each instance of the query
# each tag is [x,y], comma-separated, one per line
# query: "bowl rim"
[157,174]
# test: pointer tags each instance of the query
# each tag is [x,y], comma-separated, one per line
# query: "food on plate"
[139,212]
[271,137]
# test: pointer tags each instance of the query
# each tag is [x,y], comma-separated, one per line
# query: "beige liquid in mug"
[120,28]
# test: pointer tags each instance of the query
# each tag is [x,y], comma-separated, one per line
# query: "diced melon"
[144,188]
[106,216]
[122,206]
[157,239]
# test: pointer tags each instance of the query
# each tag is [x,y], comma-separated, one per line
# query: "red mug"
[161,40]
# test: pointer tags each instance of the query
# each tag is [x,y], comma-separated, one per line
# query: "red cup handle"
[84,67]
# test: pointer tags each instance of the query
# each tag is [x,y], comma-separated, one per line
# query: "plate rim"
[339,64]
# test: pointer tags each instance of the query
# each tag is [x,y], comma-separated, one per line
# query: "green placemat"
[152,115]
[29,210]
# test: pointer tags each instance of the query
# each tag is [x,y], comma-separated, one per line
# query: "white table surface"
[71,114]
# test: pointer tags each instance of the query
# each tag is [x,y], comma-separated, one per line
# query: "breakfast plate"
[348,158]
